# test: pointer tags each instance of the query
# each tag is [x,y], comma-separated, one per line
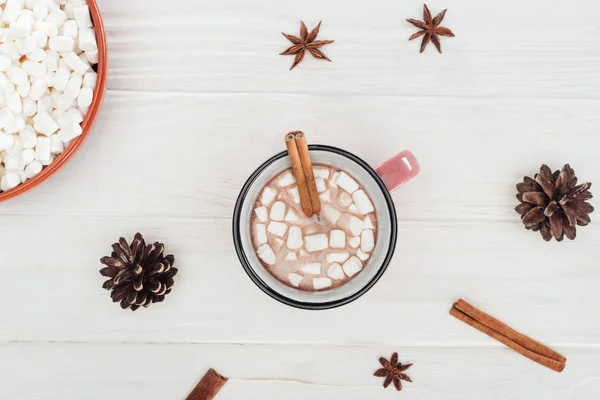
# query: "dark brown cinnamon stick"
[308,171]
[208,387]
[504,334]
[298,171]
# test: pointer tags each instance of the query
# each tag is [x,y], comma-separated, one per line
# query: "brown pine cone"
[553,203]
[139,274]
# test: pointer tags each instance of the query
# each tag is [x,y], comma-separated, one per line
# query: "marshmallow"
[279,243]
[265,253]
[42,150]
[82,16]
[61,44]
[337,257]
[12,10]
[89,79]
[57,17]
[9,181]
[57,146]
[26,45]
[295,195]
[40,11]
[286,179]
[91,56]
[353,209]
[60,79]
[337,239]
[325,196]
[23,90]
[316,242]
[368,223]
[352,224]
[294,239]
[277,228]
[313,269]
[17,75]
[34,168]
[344,200]
[6,141]
[5,63]
[295,279]
[321,283]
[6,116]
[335,272]
[291,257]
[278,211]
[344,181]
[70,29]
[362,255]
[27,156]
[362,202]
[34,69]
[45,124]
[13,102]
[367,240]
[76,63]
[70,132]
[331,214]
[16,125]
[28,139]
[352,266]
[261,214]
[321,186]
[260,233]
[268,196]
[321,173]
[291,216]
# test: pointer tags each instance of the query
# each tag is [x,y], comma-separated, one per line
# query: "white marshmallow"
[321,173]
[295,279]
[82,16]
[346,182]
[61,44]
[294,239]
[34,168]
[9,181]
[16,125]
[268,196]
[277,228]
[337,257]
[9,49]
[321,186]
[355,242]
[70,29]
[89,79]
[367,240]
[5,63]
[286,179]
[321,283]
[337,239]
[91,56]
[279,243]
[265,253]
[28,139]
[17,75]
[344,200]
[76,63]
[40,11]
[57,16]
[29,107]
[6,116]
[316,242]
[34,69]
[260,233]
[362,202]
[335,272]
[73,87]
[85,98]
[325,196]
[27,156]
[278,211]
[291,216]
[60,79]
[362,255]
[295,194]
[352,266]
[43,149]
[352,224]
[26,45]
[12,10]
[313,269]
[261,214]
[6,141]
[45,124]
[56,145]
[291,257]
[353,209]
[331,214]
[14,102]
[23,90]
[368,223]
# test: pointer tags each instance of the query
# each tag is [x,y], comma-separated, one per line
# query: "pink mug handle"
[398,170]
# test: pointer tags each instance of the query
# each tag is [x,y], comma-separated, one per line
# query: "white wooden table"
[198,97]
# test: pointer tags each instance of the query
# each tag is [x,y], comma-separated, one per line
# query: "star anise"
[430,28]
[306,42]
[393,372]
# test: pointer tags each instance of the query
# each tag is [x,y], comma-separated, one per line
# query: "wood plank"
[93,371]
[188,155]
[54,293]
[233,46]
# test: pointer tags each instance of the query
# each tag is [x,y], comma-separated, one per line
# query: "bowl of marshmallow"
[53,66]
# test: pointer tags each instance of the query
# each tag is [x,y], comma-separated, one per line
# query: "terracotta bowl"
[99,91]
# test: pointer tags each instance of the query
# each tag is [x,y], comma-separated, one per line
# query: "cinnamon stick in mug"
[298,171]
[308,171]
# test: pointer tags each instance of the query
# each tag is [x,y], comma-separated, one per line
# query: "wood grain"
[518,86]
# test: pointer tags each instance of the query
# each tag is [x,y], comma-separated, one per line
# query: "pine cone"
[553,204]
[139,274]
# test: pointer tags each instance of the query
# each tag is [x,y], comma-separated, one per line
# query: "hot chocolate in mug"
[322,266]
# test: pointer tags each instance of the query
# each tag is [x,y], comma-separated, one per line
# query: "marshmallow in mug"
[47,50]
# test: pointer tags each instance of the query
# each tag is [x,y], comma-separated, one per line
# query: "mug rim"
[237,240]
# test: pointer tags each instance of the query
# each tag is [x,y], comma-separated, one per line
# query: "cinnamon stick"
[298,171]
[308,171]
[504,334]
[208,387]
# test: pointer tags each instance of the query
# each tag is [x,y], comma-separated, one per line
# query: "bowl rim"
[237,239]
[89,119]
